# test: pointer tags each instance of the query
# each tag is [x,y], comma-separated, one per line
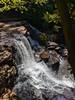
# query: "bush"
[43,38]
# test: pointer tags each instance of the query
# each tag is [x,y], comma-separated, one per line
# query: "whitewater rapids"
[38,74]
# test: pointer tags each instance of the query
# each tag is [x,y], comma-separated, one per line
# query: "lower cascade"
[37,77]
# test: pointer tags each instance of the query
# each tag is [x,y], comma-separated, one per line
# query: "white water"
[39,75]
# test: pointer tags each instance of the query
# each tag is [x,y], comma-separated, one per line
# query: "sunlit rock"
[5,56]
[44,55]
[1,24]
[8,95]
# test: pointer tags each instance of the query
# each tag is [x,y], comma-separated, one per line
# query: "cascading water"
[37,74]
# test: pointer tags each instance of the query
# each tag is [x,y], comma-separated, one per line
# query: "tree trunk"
[68,31]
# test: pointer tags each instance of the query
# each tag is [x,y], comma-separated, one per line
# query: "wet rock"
[8,95]
[65,53]
[34,43]
[1,24]
[58,50]
[26,91]
[3,35]
[22,29]
[54,60]
[44,55]
[18,30]
[7,42]
[54,56]
[15,23]
[69,93]
[8,70]
[48,94]
[5,56]
[11,28]
[6,26]
[60,97]
[51,45]
[34,33]
[1,48]
[7,67]
[5,39]
[55,66]
[7,76]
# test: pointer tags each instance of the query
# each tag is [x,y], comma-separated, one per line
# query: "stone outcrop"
[44,55]
[8,70]
[8,95]
[51,45]
[13,27]
[7,77]
[5,56]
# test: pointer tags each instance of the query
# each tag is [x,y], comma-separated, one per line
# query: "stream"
[36,81]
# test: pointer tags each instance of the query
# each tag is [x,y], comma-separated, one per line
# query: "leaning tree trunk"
[68,31]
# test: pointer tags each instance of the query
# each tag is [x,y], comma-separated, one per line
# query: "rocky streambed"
[52,54]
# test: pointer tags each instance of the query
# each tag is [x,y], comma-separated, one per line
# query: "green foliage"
[51,17]
[12,4]
[43,38]
[40,1]
[19,4]
[32,10]
[40,13]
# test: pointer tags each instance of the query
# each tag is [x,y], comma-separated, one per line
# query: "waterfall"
[36,74]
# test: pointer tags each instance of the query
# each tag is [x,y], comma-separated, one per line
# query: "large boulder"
[51,45]
[44,55]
